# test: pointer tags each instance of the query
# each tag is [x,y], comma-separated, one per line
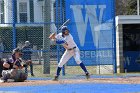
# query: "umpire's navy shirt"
[26,50]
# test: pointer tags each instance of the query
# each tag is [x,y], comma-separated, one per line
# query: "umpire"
[27,53]
[1,67]
[12,68]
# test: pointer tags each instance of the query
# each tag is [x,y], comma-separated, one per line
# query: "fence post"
[138,7]
[13,24]
[46,41]
[114,41]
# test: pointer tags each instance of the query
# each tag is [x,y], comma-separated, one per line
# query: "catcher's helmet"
[16,50]
[64,28]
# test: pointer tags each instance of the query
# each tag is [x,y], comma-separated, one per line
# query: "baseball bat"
[66,22]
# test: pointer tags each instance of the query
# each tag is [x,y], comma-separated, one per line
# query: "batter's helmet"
[64,28]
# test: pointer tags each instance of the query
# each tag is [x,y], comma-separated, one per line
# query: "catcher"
[12,68]
[27,53]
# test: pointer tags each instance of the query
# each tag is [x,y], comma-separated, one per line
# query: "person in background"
[1,56]
[1,48]
[27,53]
[1,67]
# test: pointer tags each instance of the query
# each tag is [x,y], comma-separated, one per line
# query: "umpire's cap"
[16,50]
[64,28]
[27,43]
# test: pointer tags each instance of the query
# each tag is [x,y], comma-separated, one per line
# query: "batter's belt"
[72,48]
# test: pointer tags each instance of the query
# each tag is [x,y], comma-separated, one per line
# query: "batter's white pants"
[68,54]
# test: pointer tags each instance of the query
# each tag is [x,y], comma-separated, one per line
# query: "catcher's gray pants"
[17,75]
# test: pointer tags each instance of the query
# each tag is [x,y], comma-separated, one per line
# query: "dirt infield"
[128,80]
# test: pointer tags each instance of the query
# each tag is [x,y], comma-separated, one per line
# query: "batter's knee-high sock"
[58,71]
[83,67]
[31,69]
[26,70]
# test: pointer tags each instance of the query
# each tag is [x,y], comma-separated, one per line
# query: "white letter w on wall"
[91,16]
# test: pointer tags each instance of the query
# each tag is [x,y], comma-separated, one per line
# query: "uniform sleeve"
[60,39]
[10,60]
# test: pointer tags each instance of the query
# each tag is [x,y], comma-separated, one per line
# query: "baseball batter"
[66,39]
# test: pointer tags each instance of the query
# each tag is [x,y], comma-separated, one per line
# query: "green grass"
[69,70]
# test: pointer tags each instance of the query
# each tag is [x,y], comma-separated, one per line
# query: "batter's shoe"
[32,75]
[55,78]
[87,75]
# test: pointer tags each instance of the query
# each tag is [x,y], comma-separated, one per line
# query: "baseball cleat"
[87,76]
[55,78]
[2,80]
[32,75]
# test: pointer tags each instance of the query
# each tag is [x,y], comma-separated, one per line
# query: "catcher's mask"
[17,50]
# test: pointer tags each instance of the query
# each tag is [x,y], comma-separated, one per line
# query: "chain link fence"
[24,20]
[126,7]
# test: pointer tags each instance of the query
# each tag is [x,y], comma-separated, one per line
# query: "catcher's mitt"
[28,62]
